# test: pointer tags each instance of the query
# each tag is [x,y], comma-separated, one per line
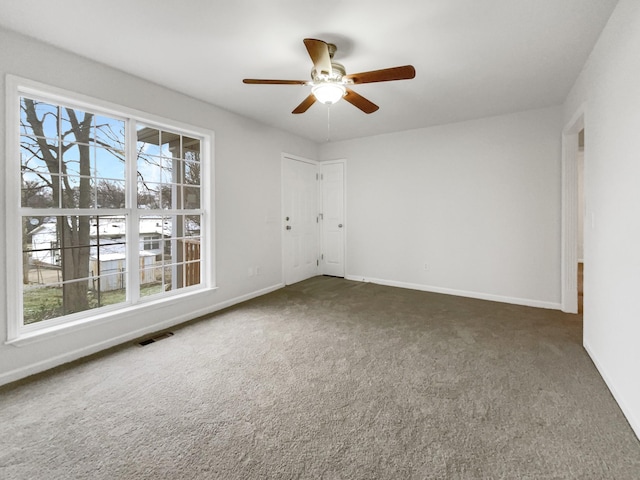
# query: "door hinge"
[317,263]
[317,176]
[322,256]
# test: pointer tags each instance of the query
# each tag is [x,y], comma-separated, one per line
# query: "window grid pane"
[169,252]
[73,158]
[168,170]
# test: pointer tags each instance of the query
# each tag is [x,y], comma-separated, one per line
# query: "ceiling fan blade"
[359,101]
[405,72]
[255,81]
[306,103]
[319,53]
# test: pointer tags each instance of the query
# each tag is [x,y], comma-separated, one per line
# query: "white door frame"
[283,159]
[569,246]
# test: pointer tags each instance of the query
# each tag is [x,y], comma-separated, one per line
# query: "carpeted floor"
[329,379]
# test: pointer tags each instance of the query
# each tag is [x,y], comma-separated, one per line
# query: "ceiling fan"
[330,82]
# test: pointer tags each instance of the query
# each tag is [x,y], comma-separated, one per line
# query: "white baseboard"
[634,423]
[67,357]
[460,293]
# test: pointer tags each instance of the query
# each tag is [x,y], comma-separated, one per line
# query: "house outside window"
[110,211]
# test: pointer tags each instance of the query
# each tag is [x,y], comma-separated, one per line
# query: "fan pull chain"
[328,123]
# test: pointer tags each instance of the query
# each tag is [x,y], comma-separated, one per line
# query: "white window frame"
[17,332]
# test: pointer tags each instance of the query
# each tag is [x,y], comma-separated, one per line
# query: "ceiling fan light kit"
[328,93]
[329,81]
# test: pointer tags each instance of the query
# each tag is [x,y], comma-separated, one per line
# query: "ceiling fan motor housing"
[338,71]
[329,87]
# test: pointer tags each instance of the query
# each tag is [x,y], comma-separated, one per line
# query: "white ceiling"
[473,58]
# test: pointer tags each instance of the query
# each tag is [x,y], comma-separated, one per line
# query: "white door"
[300,219]
[333,228]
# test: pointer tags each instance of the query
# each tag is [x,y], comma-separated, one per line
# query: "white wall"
[609,86]
[247,196]
[478,202]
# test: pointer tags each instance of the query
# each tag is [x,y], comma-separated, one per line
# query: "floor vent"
[160,336]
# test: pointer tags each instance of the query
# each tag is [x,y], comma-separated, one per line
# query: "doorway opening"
[572,236]
[581,210]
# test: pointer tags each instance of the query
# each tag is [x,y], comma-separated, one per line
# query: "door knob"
[288,227]
[339,225]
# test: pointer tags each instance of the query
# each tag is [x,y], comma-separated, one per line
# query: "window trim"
[17,332]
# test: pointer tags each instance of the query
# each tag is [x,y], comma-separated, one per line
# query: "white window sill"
[46,333]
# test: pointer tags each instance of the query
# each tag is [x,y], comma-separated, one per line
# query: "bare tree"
[110,194]
[72,189]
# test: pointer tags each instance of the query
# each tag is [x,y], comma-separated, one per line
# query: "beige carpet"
[329,379]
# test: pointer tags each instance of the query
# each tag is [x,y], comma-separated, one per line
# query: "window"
[151,242]
[111,209]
